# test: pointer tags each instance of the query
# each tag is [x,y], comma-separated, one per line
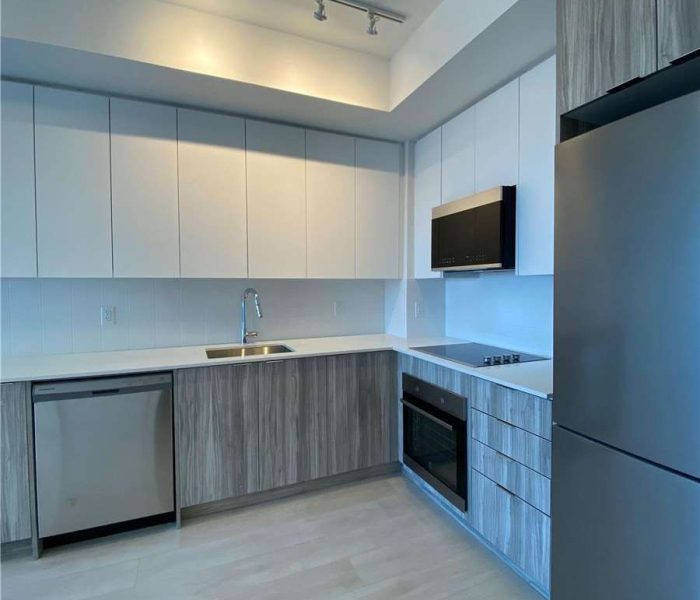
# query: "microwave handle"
[427,415]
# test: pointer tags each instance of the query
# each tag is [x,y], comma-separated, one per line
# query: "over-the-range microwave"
[476,233]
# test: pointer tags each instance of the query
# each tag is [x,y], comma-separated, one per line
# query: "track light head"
[320,12]
[373,18]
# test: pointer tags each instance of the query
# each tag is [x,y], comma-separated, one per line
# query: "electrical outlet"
[417,310]
[337,308]
[108,315]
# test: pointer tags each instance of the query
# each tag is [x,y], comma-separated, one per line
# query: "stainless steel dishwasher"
[103,451]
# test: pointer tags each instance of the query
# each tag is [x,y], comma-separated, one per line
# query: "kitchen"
[342,299]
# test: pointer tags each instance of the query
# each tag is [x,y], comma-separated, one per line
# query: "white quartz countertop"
[533,378]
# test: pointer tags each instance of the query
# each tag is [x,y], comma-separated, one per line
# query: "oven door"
[434,447]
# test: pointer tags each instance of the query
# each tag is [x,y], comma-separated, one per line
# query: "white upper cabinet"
[377,189]
[426,195]
[330,205]
[144,190]
[535,193]
[17,208]
[276,200]
[73,203]
[458,155]
[211,173]
[496,126]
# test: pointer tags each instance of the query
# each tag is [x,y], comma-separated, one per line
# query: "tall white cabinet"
[426,195]
[144,190]
[17,213]
[535,203]
[496,132]
[276,200]
[377,209]
[212,188]
[330,205]
[459,156]
[73,203]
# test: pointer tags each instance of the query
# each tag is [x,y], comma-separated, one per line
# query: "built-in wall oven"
[434,437]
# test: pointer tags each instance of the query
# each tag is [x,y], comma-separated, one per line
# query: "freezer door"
[621,528]
[627,284]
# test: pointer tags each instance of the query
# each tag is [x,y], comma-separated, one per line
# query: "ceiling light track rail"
[373,10]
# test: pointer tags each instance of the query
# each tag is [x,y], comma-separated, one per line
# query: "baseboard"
[290,490]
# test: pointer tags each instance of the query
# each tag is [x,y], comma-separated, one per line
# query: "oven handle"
[427,415]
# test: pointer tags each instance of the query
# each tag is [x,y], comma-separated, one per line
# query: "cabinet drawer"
[530,450]
[532,413]
[513,527]
[516,478]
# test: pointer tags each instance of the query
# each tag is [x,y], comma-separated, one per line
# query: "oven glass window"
[436,448]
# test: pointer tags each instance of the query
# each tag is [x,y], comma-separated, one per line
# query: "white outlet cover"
[108,315]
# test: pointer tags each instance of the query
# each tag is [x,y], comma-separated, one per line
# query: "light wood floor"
[379,539]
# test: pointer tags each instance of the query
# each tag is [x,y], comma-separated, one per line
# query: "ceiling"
[345,27]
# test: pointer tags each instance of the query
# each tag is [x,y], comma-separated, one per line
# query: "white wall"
[501,309]
[62,315]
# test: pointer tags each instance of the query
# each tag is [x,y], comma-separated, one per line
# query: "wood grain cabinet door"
[602,44]
[679,30]
[292,422]
[15,518]
[362,411]
[216,430]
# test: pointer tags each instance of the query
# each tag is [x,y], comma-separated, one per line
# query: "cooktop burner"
[478,355]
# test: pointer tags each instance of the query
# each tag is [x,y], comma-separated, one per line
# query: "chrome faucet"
[245,334]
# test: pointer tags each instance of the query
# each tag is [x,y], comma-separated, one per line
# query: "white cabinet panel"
[211,175]
[73,203]
[458,150]
[17,210]
[535,193]
[144,190]
[377,189]
[497,138]
[426,195]
[276,200]
[330,205]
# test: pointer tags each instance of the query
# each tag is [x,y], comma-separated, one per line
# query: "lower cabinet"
[216,432]
[293,422]
[15,511]
[514,527]
[362,411]
[259,426]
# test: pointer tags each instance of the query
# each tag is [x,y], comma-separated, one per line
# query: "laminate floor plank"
[374,540]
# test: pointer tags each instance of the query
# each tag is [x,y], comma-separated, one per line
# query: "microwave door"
[487,233]
[454,239]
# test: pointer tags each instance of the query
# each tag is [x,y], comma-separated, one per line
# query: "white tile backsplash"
[41,316]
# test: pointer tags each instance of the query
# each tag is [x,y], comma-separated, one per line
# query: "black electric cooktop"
[479,355]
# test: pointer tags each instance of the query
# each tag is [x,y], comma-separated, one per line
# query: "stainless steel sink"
[239,351]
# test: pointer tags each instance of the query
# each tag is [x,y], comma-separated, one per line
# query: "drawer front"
[516,478]
[530,450]
[532,413]
[448,379]
[519,531]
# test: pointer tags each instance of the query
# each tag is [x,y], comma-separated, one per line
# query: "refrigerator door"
[627,284]
[621,527]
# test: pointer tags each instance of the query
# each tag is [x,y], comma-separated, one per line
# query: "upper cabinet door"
[535,192]
[211,175]
[144,190]
[17,189]
[74,219]
[497,138]
[679,29]
[378,204]
[276,200]
[602,44]
[426,195]
[458,154]
[330,205]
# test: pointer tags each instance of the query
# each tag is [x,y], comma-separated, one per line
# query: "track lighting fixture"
[320,12]
[372,27]
[373,13]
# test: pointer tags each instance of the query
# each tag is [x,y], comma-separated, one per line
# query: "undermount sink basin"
[239,351]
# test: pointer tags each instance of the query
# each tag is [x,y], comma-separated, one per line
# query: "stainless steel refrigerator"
[626,443]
